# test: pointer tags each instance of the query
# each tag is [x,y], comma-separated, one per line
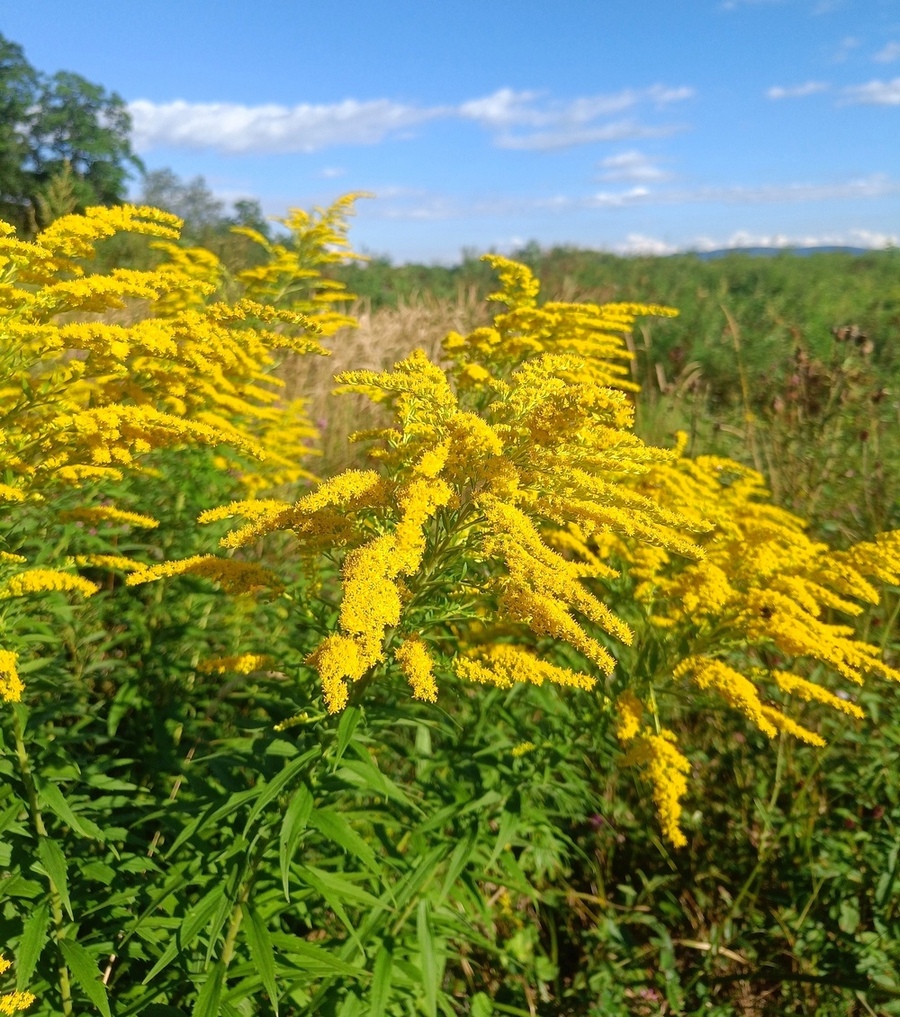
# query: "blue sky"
[650,125]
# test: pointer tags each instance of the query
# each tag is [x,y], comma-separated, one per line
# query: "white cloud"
[524,123]
[331,172]
[875,186]
[733,5]
[889,54]
[796,91]
[847,238]
[875,93]
[517,120]
[632,166]
[567,137]
[845,48]
[234,128]
[637,243]
[617,199]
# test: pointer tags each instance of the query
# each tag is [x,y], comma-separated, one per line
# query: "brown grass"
[382,338]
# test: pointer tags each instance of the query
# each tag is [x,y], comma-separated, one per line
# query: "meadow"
[407,641]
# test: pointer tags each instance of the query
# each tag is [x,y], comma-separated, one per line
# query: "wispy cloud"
[520,121]
[796,91]
[846,46]
[875,186]
[733,5]
[638,243]
[875,93]
[889,54]
[845,238]
[517,120]
[632,166]
[229,127]
[418,206]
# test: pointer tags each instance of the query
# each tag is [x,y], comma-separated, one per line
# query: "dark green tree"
[19,86]
[49,123]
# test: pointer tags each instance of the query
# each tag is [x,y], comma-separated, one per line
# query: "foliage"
[50,123]
[330,769]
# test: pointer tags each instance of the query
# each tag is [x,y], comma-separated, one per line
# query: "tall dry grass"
[383,337]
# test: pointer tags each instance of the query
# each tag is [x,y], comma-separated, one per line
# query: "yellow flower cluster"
[469,485]
[233,576]
[591,332]
[291,275]
[13,1002]
[45,581]
[667,770]
[108,514]
[11,686]
[84,398]
[762,591]
[242,663]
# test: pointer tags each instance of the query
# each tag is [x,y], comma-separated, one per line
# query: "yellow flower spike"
[418,667]
[11,689]
[504,665]
[108,514]
[666,768]
[791,727]
[13,1002]
[233,576]
[522,749]
[793,684]
[738,691]
[46,581]
[108,561]
[629,713]
[337,659]
[242,663]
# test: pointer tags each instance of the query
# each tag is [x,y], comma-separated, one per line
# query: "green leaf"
[270,791]
[207,1004]
[458,861]
[296,817]
[54,862]
[194,921]
[508,823]
[347,725]
[34,937]
[11,813]
[261,951]
[381,981]
[233,803]
[335,890]
[312,957]
[161,1010]
[366,774]
[51,797]
[431,975]
[84,971]
[481,1005]
[336,828]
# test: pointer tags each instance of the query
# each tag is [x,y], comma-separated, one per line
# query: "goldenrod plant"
[344,763]
[525,442]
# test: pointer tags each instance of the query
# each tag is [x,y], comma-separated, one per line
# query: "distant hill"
[771,252]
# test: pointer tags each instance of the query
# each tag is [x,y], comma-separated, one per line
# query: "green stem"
[65,984]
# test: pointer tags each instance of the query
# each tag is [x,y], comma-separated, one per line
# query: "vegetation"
[507,706]
[58,126]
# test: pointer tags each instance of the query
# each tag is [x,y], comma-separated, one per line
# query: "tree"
[49,123]
[191,200]
[19,84]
